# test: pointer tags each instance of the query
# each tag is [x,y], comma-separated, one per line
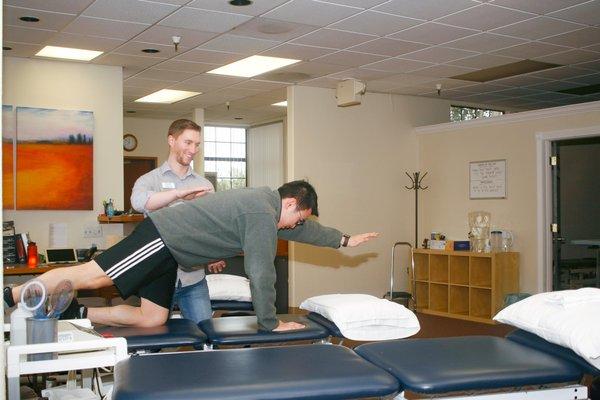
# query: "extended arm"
[316,234]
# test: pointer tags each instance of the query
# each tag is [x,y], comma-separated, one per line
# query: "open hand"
[361,238]
[288,326]
[192,193]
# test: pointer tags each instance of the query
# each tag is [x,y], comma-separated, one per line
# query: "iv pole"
[416,180]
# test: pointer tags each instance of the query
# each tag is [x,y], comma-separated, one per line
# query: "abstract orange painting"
[8,143]
[55,155]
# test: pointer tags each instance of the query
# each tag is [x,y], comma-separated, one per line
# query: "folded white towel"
[570,298]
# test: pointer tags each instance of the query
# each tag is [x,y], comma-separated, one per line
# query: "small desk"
[592,244]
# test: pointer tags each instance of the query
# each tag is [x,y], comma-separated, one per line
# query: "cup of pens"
[42,327]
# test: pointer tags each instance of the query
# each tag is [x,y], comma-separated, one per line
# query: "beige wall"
[73,86]
[356,158]
[152,137]
[445,152]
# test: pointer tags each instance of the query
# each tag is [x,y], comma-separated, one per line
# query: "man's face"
[185,146]
[290,216]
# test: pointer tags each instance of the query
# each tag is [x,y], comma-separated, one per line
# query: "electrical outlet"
[92,231]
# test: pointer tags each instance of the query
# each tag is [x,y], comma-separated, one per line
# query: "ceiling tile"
[483,61]
[537,28]
[375,23]
[135,49]
[358,3]
[521,80]
[425,9]
[589,79]
[485,17]
[570,57]
[433,33]
[382,85]
[147,83]
[555,86]
[579,38]
[21,49]
[297,51]
[530,50]
[591,65]
[203,20]
[84,42]
[439,54]
[164,35]
[595,47]
[209,80]
[105,28]
[47,20]
[537,7]
[210,57]
[61,6]
[361,74]
[443,70]
[561,73]
[272,29]
[324,82]
[409,79]
[126,61]
[482,88]
[129,10]
[255,84]
[186,66]
[302,71]
[388,47]
[256,8]
[517,92]
[164,75]
[349,58]
[24,35]
[238,44]
[484,42]
[398,65]
[586,13]
[333,38]
[318,13]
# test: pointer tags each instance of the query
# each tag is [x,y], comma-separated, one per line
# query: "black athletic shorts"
[141,265]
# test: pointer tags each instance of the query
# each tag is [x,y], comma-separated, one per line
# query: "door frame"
[544,197]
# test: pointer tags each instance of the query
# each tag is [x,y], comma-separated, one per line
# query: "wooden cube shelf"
[463,284]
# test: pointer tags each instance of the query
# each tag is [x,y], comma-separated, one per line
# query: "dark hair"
[303,192]
[177,127]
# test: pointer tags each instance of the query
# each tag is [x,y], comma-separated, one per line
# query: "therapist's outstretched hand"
[356,240]
[288,326]
[192,193]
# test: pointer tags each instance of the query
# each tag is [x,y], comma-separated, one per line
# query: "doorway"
[575,213]
[133,168]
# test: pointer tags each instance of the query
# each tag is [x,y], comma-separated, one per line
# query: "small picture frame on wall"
[487,179]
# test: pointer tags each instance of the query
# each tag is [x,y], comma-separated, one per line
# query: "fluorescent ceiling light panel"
[252,66]
[68,53]
[280,104]
[167,96]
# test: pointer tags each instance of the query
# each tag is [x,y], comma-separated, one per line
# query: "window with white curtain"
[225,154]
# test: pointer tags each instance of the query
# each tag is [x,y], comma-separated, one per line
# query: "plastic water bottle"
[18,329]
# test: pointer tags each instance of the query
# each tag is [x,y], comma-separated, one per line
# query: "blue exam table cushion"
[244,330]
[466,363]
[330,325]
[289,372]
[174,333]
[231,305]
[534,341]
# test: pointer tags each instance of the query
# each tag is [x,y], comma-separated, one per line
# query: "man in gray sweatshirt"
[198,232]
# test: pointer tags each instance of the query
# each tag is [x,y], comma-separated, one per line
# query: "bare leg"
[148,315]
[84,276]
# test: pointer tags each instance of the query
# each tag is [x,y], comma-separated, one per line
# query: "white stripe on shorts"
[135,258]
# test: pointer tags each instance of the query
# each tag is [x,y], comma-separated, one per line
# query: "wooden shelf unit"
[462,284]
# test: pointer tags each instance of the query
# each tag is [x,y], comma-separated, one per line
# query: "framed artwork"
[487,179]
[55,159]
[8,149]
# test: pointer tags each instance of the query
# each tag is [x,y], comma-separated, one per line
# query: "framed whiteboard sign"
[487,179]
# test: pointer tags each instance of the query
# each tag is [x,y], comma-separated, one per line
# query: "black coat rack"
[416,180]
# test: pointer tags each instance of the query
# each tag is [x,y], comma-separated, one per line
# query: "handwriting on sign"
[487,179]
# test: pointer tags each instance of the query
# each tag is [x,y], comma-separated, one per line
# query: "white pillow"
[364,317]
[228,287]
[568,318]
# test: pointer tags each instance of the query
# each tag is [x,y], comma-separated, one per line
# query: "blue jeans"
[193,301]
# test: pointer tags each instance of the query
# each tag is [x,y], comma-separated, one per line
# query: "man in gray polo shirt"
[170,185]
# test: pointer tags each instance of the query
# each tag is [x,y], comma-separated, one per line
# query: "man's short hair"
[303,192]
[177,127]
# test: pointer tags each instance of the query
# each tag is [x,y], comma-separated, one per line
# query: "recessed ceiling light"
[252,66]
[280,104]
[6,48]
[240,2]
[68,53]
[29,18]
[167,96]
[150,51]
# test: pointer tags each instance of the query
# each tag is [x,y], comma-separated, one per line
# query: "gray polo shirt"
[159,180]
[227,223]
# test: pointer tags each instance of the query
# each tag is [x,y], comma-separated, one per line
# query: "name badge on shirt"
[168,185]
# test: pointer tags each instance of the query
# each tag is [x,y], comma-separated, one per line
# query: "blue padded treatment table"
[530,340]
[321,320]
[174,333]
[316,371]
[231,305]
[244,330]
[433,366]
